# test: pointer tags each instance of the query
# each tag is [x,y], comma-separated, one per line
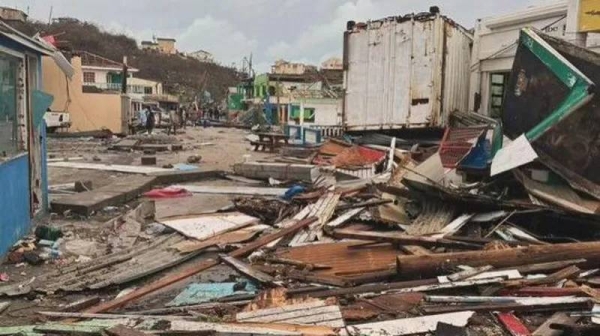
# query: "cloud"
[321,41]
[218,37]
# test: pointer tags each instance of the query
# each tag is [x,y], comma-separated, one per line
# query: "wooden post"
[443,262]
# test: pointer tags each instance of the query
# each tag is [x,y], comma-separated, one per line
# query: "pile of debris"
[376,235]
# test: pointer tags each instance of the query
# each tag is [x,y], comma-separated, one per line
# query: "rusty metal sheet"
[332,147]
[457,143]
[342,259]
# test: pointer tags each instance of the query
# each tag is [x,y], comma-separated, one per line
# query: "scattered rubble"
[366,236]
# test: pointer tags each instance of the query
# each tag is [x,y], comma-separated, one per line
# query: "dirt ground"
[219,148]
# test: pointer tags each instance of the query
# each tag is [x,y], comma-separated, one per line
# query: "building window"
[147,89]
[497,89]
[9,67]
[89,77]
[309,113]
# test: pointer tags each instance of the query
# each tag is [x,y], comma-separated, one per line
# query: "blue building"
[23,171]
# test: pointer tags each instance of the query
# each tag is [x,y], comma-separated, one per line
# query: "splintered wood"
[322,209]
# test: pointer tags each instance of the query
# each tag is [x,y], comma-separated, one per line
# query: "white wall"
[328,112]
[496,39]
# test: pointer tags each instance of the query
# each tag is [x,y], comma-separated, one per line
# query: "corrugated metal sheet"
[405,73]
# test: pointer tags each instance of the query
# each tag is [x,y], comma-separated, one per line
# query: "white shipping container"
[401,72]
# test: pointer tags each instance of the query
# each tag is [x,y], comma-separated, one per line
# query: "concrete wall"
[14,201]
[88,111]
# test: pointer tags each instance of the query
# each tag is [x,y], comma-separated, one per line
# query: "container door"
[421,85]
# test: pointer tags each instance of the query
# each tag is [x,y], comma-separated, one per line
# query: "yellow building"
[166,45]
[88,111]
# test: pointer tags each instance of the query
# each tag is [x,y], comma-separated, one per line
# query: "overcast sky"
[296,30]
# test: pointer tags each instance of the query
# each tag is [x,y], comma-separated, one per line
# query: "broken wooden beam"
[469,273]
[509,306]
[441,262]
[204,265]
[399,238]
[565,273]
[248,270]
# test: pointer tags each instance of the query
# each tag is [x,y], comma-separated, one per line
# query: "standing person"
[150,120]
[173,122]
[183,117]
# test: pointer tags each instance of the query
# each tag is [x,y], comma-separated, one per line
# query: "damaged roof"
[89,59]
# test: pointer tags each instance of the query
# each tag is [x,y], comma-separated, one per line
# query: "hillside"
[179,75]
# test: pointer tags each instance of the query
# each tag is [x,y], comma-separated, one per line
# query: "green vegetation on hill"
[179,75]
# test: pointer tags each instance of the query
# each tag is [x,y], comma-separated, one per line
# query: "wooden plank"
[81,304]
[278,310]
[171,279]
[411,326]
[238,236]
[510,257]
[312,313]
[318,278]
[469,273]
[504,307]
[4,306]
[505,299]
[512,324]
[565,273]
[227,190]
[548,266]
[399,238]
[343,218]
[561,318]
[246,269]
[323,209]
[454,226]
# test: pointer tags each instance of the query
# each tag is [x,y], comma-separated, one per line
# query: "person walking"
[183,117]
[150,120]
[173,122]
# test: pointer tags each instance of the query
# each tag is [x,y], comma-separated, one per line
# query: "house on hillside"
[94,98]
[333,63]
[166,45]
[282,67]
[202,56]
[100,73]
[163,45]
[23,172]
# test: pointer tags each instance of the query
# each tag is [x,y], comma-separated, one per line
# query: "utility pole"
[50,15]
